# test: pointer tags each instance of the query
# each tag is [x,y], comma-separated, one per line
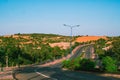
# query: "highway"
[55,72]
[88,52]
[77,53]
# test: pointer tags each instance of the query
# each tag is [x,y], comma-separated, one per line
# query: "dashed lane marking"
[44,75]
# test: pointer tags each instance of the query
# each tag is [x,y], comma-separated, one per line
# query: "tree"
[57,52]
[66,64]
[76,63]
[2,55]
[99,51]
[87,64]
[108,64]
[116,48]
[101,42]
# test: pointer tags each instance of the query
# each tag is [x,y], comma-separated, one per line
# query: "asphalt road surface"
[88,52]
[55,72]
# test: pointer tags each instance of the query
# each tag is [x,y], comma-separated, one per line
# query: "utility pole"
[71,27]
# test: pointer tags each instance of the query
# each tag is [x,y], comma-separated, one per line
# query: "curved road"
[88,52]
[54,72]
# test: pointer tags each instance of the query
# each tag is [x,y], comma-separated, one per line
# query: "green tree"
[2,55]
[116,48]
[101,42]
[108,64]
[57,52]
[66,64]
[87,64]
[76,63]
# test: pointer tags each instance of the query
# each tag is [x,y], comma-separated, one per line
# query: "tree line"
[13,53]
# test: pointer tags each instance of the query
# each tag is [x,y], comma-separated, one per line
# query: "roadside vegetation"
[79,64]
[22,49]
[107,57]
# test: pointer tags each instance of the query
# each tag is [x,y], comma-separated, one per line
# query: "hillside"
[37,39]
[32,48]
[89,38]
[53,40]
[22,49]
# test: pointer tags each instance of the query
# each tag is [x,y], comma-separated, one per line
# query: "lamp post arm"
[71,27]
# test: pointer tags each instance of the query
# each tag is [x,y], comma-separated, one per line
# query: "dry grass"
[62,45]
[89,38]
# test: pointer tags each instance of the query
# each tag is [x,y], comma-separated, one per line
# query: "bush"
[78,64]
[71,64]
[87,65]
[66,63]
[108,64]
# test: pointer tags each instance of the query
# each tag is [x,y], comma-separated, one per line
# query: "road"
[50,73]
[54,72]
[88,52]
[77,53]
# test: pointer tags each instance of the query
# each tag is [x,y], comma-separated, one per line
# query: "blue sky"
[95,17]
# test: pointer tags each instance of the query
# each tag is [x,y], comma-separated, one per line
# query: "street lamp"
[71,27]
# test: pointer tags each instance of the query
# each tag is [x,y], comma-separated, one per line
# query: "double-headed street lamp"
[71,27]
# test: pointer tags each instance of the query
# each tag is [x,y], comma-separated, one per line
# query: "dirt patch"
[89,38]
[62,45]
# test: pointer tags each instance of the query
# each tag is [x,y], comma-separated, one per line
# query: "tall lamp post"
[71,27]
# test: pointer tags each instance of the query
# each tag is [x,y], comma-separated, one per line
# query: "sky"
[95,17]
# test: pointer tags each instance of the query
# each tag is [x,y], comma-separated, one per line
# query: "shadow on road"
[55,73]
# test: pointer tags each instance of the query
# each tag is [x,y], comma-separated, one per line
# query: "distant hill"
[37,39]
[89,38]
[42,38]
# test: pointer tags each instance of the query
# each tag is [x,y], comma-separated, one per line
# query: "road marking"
[42,75]
[45,75]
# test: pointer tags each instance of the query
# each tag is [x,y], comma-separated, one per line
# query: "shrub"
[108,64]
[66,63]
[87,64]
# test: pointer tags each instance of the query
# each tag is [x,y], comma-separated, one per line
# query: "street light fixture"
[71,27]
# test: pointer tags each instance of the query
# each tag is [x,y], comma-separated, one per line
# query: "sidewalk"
[6,74]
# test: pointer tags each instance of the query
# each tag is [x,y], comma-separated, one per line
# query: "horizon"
[95,17]
[59,35]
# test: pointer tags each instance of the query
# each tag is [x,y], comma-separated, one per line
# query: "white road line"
[45,75]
